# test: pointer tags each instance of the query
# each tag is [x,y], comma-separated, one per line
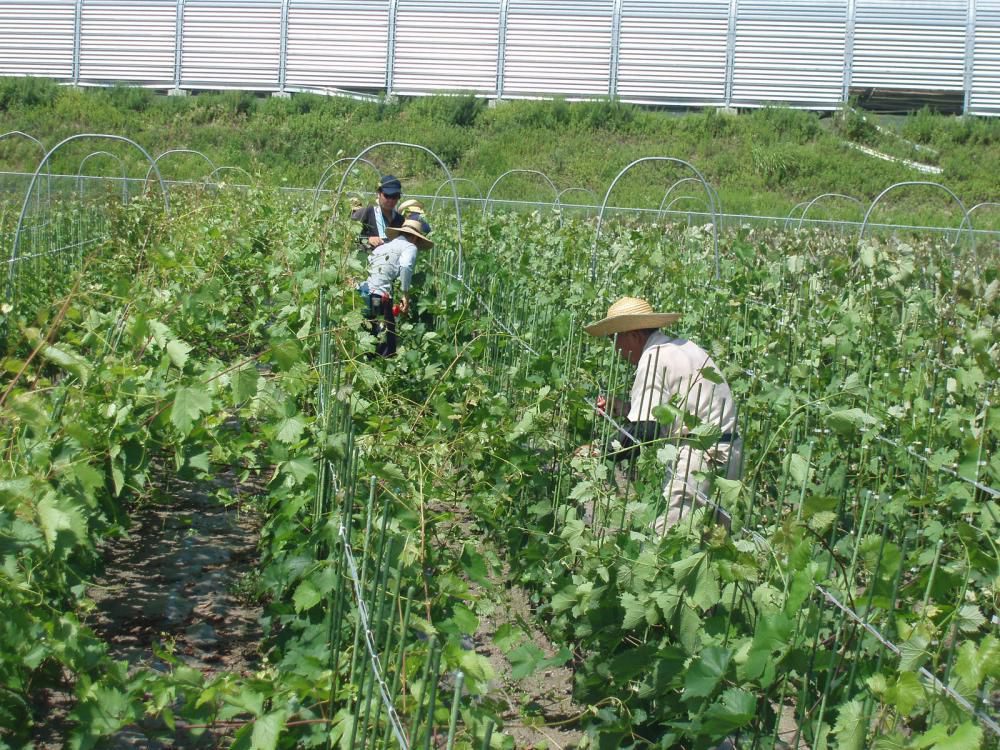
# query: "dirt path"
[175,581]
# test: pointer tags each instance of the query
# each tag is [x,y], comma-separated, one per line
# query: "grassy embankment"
[761,162]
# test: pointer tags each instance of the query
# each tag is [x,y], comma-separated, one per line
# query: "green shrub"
[26,92]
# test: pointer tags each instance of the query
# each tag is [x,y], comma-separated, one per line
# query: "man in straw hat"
[678,373]
[390,261]
[378,219]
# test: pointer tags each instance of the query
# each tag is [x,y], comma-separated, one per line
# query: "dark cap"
[390,185]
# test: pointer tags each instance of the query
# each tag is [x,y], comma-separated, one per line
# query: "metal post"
[970,54]
[731,51]
[77,23]
[616,32]
[283,54]
[178,45]
[852,14]
[390,51]
[502,47]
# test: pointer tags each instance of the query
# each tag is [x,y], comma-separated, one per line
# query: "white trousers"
[683,490]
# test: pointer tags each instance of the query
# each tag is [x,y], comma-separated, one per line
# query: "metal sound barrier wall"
[739,53]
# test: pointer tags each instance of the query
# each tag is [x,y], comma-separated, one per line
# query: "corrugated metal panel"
[120,41]
[231,43]
[36,38]
[673,52]
[337,44]
[558,48]
[446,45]
[905,44]
[985,97]
[790,52]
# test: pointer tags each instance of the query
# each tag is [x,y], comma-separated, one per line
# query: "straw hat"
[630,314]
[416,229]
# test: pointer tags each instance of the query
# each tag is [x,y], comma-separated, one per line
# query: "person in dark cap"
[376,220]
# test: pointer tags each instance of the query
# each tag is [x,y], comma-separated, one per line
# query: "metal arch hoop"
[328,173]
[452,181]
[671,189]
[820,197]
[177,151]
[21,133]
[796,207]
[673,160]
[968,214]
[683,198]
[217,170]
[544,176]
[563,192]
[34,179]
[458,214]
[117,158]
[868,213]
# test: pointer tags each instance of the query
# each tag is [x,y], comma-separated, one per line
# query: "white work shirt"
[672,370]
[392,260]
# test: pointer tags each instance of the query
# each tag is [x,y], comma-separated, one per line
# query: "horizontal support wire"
[986,720]
[397,726]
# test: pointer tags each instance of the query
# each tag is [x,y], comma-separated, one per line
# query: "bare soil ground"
[173,582]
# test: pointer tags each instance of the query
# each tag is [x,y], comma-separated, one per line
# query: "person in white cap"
[388,262]
[676,372]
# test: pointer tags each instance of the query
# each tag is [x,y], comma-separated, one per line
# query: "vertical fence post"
[852,13]
[178,46]
[731,51]
[502,47]
[970,53]
[390,49]
[616,32]
[77,30]
[283,53]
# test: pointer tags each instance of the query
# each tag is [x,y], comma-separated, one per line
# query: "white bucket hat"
[630,314]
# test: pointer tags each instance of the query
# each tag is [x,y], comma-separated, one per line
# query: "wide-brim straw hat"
[416,229]
[630,314]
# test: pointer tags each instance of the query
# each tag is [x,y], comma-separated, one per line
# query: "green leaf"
[966,737]
[913,653]
[507,636]
[465,619]
[849,421]
[635,610]
[306,596]
[178,351]
[906,694]
[476,666]
[300,468]
[970,619]
[68,361]
[290,429]
[525,659]
[243,383]
[706,672]
[62,522]
[770,641]
[797,467]
[851,727]
[266,731]
[736,708]
[474,565]
[189,405]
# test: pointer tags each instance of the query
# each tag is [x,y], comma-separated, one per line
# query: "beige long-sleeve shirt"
[674,371]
